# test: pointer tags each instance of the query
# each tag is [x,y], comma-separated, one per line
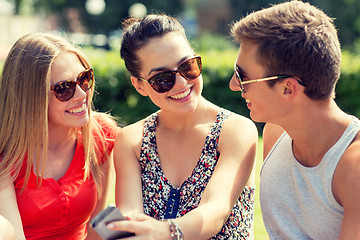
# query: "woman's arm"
[128,191]
[9,211]
[107,188]
[237,146]
[7,231]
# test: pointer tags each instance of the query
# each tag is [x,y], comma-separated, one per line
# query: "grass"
[259,229]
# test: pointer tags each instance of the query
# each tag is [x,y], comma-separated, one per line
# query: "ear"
[138,85]
[291,87]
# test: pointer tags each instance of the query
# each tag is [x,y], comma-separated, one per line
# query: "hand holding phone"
[110,214]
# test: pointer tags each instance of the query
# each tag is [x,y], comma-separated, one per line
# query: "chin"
[256,118]
[82,123]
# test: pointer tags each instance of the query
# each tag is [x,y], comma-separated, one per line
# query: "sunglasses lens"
[86,79]
[163,82]
[191,69]
[239,77]
[65,90]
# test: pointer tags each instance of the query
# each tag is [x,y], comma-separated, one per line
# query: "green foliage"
[213,42]
[217,72]
[345,12]
[348,87]
[115,12]
[346,19]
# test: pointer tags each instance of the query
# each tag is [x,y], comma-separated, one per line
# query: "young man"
[287,68]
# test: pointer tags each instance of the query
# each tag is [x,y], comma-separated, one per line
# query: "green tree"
[17,6]
[110,19]
[347,19]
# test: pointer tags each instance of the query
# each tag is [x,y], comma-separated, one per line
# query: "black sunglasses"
[65,90]
[164,81]
[240,78]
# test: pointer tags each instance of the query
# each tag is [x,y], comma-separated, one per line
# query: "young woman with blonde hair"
[55,150]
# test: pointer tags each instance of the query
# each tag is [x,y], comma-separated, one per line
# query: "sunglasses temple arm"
[259,80]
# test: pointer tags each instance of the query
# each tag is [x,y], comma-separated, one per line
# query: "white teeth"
[78,110]
[181,95]
[247,101]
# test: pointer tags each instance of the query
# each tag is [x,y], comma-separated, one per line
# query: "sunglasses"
[65,90]
[164,81]
[240,78]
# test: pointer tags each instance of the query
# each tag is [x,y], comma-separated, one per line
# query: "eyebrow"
[160,69]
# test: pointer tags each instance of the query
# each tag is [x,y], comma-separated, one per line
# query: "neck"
[58,138]
[315,128]
[181,121]
[60,143]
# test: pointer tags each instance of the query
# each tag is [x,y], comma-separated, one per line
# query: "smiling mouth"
[181,95]
[77,110]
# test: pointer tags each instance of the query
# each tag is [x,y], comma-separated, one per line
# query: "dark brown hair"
[137,33]
[296,39]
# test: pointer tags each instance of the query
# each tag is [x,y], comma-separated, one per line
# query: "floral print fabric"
[161,199]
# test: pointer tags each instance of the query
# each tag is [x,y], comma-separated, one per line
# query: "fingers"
[135,224]
[137,216]
[143,226]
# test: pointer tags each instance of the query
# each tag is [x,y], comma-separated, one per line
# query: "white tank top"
[296,201]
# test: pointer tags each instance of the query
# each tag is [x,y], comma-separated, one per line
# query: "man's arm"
[346,190]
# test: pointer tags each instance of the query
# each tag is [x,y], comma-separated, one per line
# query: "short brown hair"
[296,39]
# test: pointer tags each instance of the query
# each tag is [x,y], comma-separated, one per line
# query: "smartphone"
[109,214]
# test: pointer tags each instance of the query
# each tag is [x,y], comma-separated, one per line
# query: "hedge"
[116,95]
[348,87]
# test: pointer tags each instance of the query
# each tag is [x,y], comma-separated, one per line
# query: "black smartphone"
[106,216]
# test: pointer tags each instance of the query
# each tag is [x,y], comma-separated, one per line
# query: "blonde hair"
[24,94]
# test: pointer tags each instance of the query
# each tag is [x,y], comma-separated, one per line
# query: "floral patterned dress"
[161,200]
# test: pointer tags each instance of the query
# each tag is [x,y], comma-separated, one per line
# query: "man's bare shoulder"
[351,156]
[346,181]
[271,133]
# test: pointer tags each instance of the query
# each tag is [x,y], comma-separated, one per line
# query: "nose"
[233,85]
[179,79]
[79,93]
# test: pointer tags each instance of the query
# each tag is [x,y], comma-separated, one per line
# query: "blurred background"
[95,25]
